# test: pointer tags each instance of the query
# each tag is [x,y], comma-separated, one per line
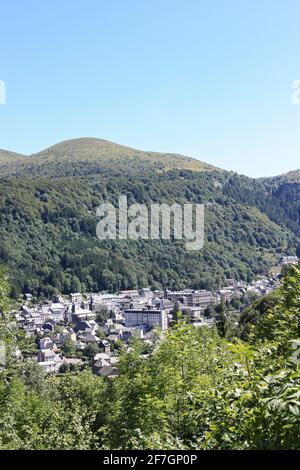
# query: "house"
[226,294]
[28,297]
[102,357]
[146,292]
[150,336]
[49,325]
[101,364]
[46,343]
[20,320]
[126,334]
[194,313]
[50,366]
[105,371]
[45,313]
[25,310]
[83,315]
[88,337]
[66,334]
[76,298]
[47,355]
[158,293]
[57,311]
[91,326]
[201,298]
[104,345]
[79,314]
[113,360]
[34,318]
[72,360]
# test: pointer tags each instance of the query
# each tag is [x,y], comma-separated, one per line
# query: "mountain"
[48,220]
[291,177]
[89,156]
[285,190]
[10,157]
[9,161]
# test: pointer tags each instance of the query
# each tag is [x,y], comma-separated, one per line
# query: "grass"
[91,155]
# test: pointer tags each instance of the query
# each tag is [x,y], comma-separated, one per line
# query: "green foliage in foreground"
[195,390]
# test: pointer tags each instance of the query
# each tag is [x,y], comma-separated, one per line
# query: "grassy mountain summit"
[88,156]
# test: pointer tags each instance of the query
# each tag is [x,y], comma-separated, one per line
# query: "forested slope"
[48,235]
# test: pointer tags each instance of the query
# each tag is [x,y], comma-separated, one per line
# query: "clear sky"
[206,78]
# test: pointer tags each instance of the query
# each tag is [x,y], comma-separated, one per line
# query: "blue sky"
[206,78]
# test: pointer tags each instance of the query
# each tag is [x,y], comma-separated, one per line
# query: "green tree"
[69,348]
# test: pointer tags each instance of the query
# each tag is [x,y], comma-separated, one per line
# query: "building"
[146,292]
[129,293]
[46,343]
[126,334]
[190,297]
[194,313]
[286,260]
[50,367]
[28,297]
[55,311]
[77,314]
[146,317]
[227,294]
[76,298]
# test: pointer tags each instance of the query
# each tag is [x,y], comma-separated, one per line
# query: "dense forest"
[48,232]
[195,390]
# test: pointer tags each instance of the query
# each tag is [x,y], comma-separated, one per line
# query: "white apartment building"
[144,317]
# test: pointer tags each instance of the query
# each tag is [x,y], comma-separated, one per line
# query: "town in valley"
[71,333]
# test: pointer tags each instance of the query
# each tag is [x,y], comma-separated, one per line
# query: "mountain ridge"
[7,156]
[96,150]
[91,155]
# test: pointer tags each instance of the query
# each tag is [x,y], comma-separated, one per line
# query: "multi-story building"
[146,317]
[191,297]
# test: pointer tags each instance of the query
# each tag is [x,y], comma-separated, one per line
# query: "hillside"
[10,157]
[290,177]
[47,229]
[48,220]
[89,156]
